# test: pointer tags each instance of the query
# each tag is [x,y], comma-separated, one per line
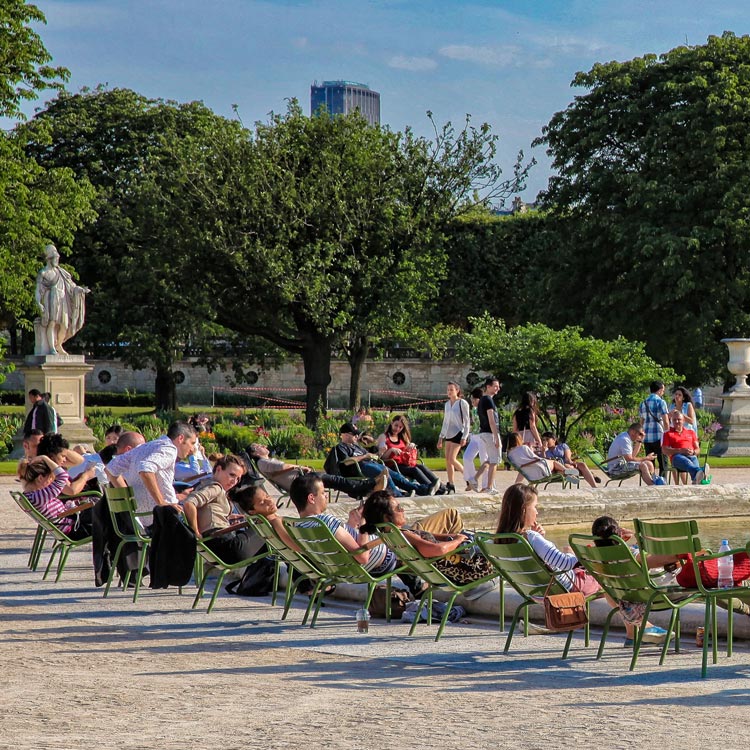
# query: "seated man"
[348,449]
[283,474]
[682,447]
[622,456]
[561,452]
[31,443]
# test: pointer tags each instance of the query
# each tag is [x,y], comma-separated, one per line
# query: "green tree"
[327,233]
[653,199]
[37,205]
[571,374]
[24,71]
[141,257]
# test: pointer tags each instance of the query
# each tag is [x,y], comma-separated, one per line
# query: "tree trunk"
[316,358]
[356,355]
[165,391]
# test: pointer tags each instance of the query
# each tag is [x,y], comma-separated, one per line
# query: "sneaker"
[471,485]
[654,634]
[491,491]
[410,493]
[434,486]
[699,476]
[469,488]
[381,481]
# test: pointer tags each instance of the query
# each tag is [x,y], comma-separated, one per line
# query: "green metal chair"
[521,567]
[212,558]
[625,579]
[62,542]
[681,538]
[326,553]
[121,500]
[602,464]
[564,479]
[296,560]
[425,568]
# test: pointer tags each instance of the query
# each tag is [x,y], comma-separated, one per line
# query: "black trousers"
[655,448]
[236,545]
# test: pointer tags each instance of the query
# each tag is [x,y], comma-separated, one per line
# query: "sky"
[507,63]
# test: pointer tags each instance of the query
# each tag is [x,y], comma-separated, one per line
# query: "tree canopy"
[571,374]
[652,200]
[328,233]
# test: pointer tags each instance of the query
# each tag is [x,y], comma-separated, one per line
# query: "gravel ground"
[81,671]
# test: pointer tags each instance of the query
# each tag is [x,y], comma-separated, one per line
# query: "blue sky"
[506,63]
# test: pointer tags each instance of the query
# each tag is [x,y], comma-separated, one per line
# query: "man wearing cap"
[348,451]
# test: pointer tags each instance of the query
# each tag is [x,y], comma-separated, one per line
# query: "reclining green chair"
[625,579]
[336,563]
[424,567]
[122,505]
[295,561]
[522,568]
[62,542]
[602,464]
[681,538]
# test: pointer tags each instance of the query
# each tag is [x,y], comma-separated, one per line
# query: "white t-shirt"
[622,445]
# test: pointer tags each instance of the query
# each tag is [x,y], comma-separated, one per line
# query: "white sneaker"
[699,477]
[491,491]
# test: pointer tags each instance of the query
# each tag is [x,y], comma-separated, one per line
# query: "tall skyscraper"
[342,97]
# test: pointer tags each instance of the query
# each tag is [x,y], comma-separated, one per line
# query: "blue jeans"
[689,464]
[396,482]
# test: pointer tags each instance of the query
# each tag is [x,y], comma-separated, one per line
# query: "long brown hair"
[30,470]
[405,434]
[513,509]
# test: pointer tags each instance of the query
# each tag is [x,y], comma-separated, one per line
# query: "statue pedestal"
[63,376]
[733,439]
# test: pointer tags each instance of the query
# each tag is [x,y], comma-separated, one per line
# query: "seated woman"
[208,510]
[395,445]
[469,565]
[43,481]
[561,452]
[522,457]
[606,527]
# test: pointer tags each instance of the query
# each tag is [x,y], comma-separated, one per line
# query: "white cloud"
[497,56]
[416,64]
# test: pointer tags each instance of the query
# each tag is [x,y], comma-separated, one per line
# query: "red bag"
[709,571]
[409,456]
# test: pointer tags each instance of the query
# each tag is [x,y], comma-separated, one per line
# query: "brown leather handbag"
[563,612]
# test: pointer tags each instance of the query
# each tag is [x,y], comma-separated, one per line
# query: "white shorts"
[493,453]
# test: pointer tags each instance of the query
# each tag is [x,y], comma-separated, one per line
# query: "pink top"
[47,501]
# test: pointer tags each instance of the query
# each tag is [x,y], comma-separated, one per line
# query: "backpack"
[257,580]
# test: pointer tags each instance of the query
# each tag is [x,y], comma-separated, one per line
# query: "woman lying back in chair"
[534,467]
[428,538]
[43,481]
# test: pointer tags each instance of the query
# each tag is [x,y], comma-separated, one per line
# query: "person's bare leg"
[647,470]
[585,472]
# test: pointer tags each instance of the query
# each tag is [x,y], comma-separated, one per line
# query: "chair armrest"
[75,509]
[228,529]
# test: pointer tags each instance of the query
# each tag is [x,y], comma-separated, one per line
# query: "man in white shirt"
[149,468]
[622,456]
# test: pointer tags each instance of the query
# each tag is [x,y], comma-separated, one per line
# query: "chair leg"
[36,548]
[219,581]
[113,569]
[568,641]
[444,618]
[141,566]
[706,636]
[605,632]
[63,561]
[730,627]
[275,591]
[55,549]
[201,588]
[314,595]
[502,605]
[670,632]
[514,622]
[427,596]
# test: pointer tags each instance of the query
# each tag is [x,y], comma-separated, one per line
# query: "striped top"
[381,558]
[554,559]
[47,501]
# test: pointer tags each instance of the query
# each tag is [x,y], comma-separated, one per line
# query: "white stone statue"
[62,304]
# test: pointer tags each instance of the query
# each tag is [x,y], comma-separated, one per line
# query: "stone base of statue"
[733,439]
[62,375]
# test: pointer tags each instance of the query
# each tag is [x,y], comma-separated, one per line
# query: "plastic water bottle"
[726,566]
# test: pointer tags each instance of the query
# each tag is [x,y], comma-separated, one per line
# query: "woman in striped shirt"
[518,514]
[43,482]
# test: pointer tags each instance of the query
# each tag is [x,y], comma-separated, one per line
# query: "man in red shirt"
[682,447]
